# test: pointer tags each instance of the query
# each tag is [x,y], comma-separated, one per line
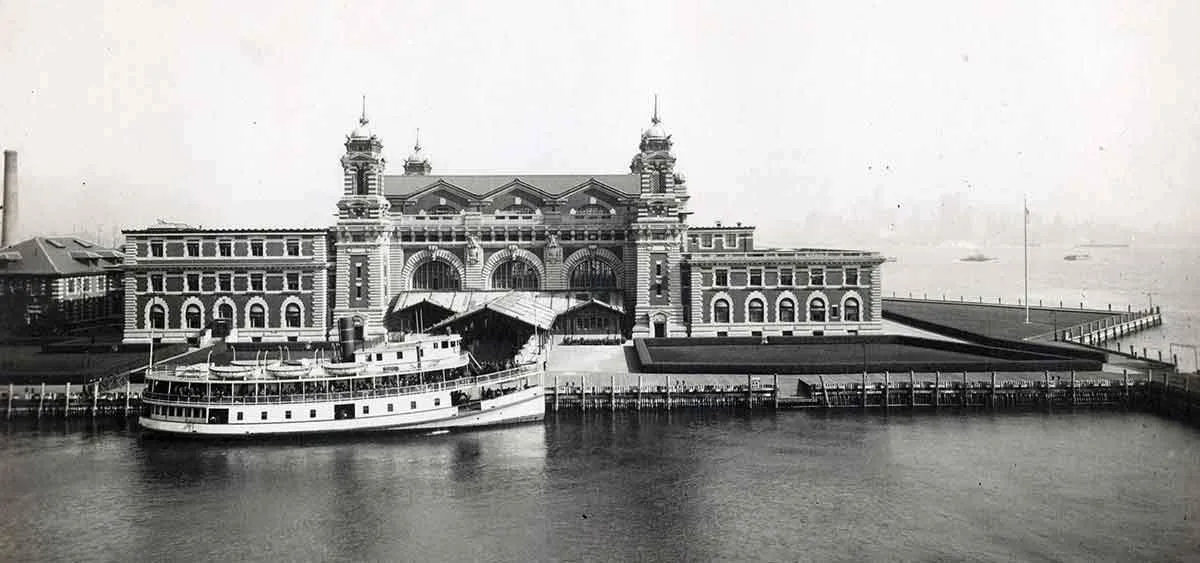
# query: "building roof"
[63,256]
[548,185]
[536,308]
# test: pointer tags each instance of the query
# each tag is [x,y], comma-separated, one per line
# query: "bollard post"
[127,395]
[95,397]
[887,389]
[1144,356]
[612,378]
[1072,387]
[668,392]
[993,389]
[556,392]
[937,389]
[776,398]
[864,390]
[41,400]
[67,404]
[8,411]
[912,389]
[639,395]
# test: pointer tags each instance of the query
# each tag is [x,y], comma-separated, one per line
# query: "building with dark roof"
[412,249]
[51,285]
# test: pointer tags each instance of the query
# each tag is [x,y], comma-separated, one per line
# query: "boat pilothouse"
[415,383]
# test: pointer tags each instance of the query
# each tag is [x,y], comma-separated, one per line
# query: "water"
[1133,276]
[1094,486]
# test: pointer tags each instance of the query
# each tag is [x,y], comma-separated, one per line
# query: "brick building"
[412,248]
[54,285]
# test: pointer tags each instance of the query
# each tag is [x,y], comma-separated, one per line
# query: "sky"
[224,113]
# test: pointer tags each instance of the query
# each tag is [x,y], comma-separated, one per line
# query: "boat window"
[437,401]
[399,355]
[264,415]
[239,415]
[312,413]
[366,409]
[391,407]
[287,415]
[379,357]
[412,405]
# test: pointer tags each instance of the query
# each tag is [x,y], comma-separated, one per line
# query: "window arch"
[754,311]
[360,182]
[593,209]
[816,310]
[225,311]
[517,209]
[192,316]
[436,275]
[721,311]
[158,316]
[258,316]
[787,310]
[292,316]
[851,310]
[592,273]
[515,274]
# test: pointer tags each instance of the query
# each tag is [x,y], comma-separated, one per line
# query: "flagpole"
[1025,202]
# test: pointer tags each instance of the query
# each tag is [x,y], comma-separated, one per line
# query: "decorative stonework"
[430,254]
[553,250]
[474,250]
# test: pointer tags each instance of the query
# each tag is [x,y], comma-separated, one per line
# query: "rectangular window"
[391,407]
[730,241]
[293,281]
[193,282]
[263,416]
[193,248]
[358,270]
[293,247]
[256,282]
[225,282]
[312,413]
[156,248]
[358,291]
[412,404]
[851,276]
[156,282]
[756,277]
[721,278]
[658,268]
[706,241]
[816,276]
[256,248]
[225,248]
[287,415]
[239,415]
[658,290]
[437,401]
[785,276]
[366,409]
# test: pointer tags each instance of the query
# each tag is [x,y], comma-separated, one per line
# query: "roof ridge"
[48,255]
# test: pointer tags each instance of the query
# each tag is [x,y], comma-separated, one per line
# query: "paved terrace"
[995,320]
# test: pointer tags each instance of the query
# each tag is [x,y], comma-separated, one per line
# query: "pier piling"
[41,400]
[556,392]
[612,387]
[96,397]
[887,390]
[964,389]
[639,394]
[8,412]
[67,404]
[937,389]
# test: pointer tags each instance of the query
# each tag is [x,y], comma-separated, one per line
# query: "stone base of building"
[788,329]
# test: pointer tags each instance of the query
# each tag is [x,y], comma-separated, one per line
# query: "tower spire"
[654,118]
[363,119]
[417,145]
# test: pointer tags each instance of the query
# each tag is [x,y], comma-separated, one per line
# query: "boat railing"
[301,397]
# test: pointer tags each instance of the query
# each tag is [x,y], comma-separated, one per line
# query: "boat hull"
[526,405]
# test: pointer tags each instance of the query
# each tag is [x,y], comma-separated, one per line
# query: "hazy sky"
[234,113]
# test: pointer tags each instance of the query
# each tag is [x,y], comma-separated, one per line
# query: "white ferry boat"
[420,383]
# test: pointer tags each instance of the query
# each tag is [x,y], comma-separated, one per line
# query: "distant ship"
[1074,257]
[890,259]
[976,257]
[1104,245]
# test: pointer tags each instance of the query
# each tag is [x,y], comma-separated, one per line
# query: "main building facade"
[607,253]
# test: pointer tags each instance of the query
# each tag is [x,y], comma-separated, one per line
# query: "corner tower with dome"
[609,254]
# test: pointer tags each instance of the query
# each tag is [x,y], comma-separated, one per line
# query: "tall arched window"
[850,310]
[787,311]
[756,311]
[515,274]
[360,182]
[158,317]
[721,311]
[292,315]
[436,276]
[593,273]
[816,310]
[258,316]
[192,316]
[224,311]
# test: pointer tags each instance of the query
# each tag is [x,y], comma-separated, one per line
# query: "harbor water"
[653,486]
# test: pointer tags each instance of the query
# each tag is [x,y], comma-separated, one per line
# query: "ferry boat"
[419,383]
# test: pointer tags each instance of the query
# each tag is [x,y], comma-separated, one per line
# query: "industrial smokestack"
[8,230]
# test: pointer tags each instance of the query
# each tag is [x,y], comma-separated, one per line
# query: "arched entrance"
[659,322]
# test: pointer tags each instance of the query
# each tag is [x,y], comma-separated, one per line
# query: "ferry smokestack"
[8,228]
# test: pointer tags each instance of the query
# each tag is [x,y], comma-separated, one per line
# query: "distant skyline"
[795,117]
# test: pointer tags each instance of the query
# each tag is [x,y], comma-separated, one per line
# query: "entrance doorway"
[660,330]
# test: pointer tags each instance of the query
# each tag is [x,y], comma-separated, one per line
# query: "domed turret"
[363,131]
[655,137]
[417,164]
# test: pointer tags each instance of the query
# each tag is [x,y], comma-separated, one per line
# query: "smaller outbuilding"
[56,285]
